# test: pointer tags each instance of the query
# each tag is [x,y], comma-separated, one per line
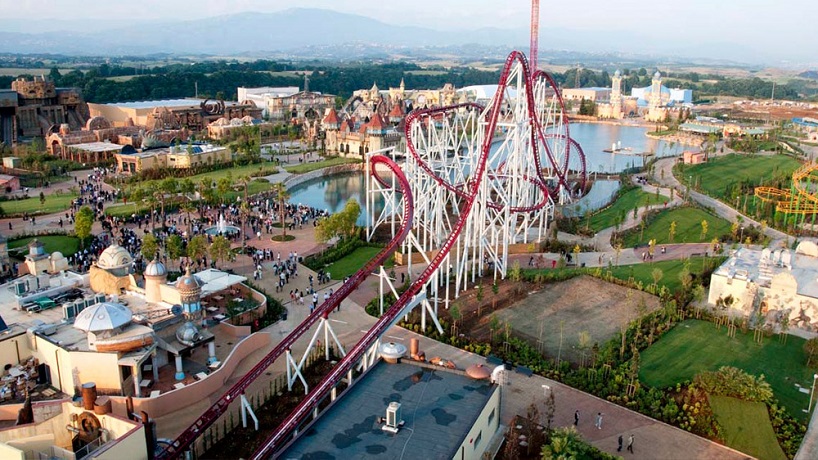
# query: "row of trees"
[198,248]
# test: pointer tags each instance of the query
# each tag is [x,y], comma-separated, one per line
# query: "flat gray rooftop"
[438,407]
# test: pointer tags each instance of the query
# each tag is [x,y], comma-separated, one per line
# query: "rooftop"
[156,103]
[762,266]
[97,147]
[438,405]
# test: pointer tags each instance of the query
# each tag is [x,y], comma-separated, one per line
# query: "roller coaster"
[465,194]
[802,198]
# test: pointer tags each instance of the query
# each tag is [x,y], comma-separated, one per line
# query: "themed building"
[191,114]
[779,284]
[354,138]
[180,156]
[288,103]
[593,94]
[34,107]
[658,103]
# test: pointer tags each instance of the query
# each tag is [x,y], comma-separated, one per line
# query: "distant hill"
[811,74]
[298,30]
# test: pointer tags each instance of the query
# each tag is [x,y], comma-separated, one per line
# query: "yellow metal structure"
[802,199]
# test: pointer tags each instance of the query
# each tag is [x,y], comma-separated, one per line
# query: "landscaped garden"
[353,262]
[619,210]
[695,346]
[67,245]
[309,167]
[756,438]
[669,269]
[734,175]
[53,203]
[688,228]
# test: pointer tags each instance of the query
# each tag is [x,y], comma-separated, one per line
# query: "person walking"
[598,423]
[619,449]
[576,418]
[630,444]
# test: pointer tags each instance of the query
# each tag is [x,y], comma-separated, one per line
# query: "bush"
[734,382]
[340,250]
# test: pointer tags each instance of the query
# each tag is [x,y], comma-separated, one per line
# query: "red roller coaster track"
[187,437]
[276,440]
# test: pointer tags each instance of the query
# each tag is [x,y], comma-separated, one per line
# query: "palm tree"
[282,196]
[188,207]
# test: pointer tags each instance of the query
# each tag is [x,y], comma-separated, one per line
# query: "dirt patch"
[580,304]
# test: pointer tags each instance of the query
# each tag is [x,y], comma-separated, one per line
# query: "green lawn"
[670,270]
[308,167]
[624,205]
[719,175]
[355,261]
[746,426]
[67,245]
[688,228]
[53,203]
[695,346]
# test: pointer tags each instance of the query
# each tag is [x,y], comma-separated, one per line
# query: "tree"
[282,196]
[188,207]
[220,249]
[342,224]
[173,247]
[168,186]
[454,312]
[83,222]
[150,246]
[42,199]
[704,229]
[223,186]
[685,278]
[197,247]
[657,275]
[672,231]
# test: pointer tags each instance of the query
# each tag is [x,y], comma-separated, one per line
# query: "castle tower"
[616,95]
[155,275]
[190,292]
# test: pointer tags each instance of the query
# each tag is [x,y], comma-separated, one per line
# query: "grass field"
[623,205]
[695,346]
[670,270]
[719,175]
[67,245]
[746,426]
[308,167]
[350,264]
[688,228]
[53,203]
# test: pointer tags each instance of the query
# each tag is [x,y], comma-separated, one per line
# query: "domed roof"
[188,334]
[617,73]
[188,283]
[113,257]
[103,316]
[657,75]
[57,255]
[478,371]
[156,268]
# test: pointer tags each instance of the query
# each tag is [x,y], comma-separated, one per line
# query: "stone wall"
[298,179]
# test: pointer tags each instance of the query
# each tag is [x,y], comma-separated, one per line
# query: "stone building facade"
[34,108]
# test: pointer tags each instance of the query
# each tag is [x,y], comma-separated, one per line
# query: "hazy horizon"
[781,32]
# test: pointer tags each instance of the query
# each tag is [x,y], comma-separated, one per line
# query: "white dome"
[156,268]
[104,316]
[57,255]
[114,257]
[657,75]
[392,350]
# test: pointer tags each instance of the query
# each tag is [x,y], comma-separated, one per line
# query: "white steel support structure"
[513,205]
[294,368]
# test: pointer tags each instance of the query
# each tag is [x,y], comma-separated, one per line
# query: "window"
[491,416]
[478,439]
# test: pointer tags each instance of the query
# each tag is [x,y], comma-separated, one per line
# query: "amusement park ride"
[474,181]
[801,200]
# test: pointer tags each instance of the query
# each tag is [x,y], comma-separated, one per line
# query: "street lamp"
[811,392]
[547,388]
[741,237]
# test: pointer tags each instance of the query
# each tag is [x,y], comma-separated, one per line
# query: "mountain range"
[296,30]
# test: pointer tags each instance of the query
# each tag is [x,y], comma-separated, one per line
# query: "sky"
[754,23]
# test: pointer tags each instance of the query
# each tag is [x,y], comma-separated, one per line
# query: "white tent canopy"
[217,280]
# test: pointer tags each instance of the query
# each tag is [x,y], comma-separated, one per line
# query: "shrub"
[734,382]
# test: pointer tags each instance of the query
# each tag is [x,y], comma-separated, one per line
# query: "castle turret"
[616,95]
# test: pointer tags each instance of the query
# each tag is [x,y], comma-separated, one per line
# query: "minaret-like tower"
[655,100]
[616,95]
[155,275]
[190,292]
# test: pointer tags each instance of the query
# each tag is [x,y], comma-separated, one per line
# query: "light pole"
[741,238]
[547,389]
[811,392]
